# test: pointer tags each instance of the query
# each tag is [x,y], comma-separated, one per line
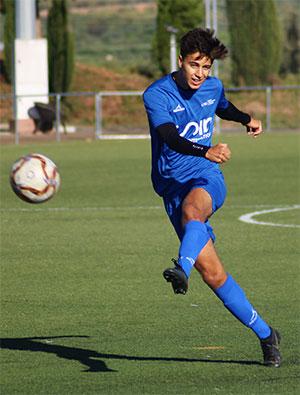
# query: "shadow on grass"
[86,357]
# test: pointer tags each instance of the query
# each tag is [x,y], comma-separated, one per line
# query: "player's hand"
[219,153]
[254,128]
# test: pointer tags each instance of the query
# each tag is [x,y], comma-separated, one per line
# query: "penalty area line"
[248,218]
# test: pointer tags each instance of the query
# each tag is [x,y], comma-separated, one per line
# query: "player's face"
[195,69]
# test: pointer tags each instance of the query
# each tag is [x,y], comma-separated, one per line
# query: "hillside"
[89,78]
[117,110]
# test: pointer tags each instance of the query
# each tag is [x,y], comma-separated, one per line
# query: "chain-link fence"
[120,114]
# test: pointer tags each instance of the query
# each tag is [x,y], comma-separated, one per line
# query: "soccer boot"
[270,349]
[177,277]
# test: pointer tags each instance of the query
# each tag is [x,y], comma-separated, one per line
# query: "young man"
[185,173]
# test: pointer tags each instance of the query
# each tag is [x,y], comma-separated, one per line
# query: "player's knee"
[190,212]
[214,279]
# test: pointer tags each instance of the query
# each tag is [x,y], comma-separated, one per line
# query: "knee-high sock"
[194,239]
[236,302]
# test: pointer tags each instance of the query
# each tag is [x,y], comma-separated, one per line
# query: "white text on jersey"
[200,128]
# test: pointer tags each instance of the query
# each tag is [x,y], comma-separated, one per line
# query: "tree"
[182,15]
[60,48]
[8,8]
[291,61]
[256,41]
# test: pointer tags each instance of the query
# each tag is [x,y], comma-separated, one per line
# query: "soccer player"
[185,172]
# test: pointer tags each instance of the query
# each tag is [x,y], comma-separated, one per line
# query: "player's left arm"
[231,113]
[254,127]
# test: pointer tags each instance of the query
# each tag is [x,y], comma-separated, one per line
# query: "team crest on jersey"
[178,108]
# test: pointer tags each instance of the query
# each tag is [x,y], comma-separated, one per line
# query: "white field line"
[124,137]
[32,208]
[59,209]
[248,218]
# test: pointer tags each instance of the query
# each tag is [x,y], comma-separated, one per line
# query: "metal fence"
[105,121]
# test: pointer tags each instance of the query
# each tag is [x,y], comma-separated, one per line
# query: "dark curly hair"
[203,41]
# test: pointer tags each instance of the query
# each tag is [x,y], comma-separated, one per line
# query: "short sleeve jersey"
[192,112]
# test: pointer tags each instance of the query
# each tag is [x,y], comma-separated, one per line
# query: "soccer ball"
[34,178]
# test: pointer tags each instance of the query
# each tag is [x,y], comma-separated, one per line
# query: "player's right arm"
[168,133]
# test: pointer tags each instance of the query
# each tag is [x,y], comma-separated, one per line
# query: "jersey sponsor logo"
[209,102]
[178,108]
[200,130]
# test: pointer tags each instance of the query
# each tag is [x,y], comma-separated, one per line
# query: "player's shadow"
[93,360]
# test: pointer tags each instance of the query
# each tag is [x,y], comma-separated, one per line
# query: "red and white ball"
[34,178]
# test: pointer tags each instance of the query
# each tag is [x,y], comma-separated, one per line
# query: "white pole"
[207,14]
[25,19]
[173,53]
[25,14]
[173,49]
[215,27]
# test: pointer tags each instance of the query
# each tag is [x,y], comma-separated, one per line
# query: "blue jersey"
[193,112]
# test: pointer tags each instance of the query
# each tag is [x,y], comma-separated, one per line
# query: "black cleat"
[177,277]
[270,349]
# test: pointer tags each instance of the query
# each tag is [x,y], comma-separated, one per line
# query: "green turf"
[84,308]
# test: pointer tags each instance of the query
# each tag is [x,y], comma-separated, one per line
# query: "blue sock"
[194,239]
[236,302]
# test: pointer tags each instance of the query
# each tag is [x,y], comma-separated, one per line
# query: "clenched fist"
[219,153]
[254,128]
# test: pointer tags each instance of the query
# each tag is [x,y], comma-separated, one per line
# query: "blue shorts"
[213,183]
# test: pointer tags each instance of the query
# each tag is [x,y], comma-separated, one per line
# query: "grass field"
[84,308]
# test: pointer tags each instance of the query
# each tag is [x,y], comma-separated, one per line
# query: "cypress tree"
[294,38]
[60,48]
[256,41]
[291,61]
[9,37]
[182,15]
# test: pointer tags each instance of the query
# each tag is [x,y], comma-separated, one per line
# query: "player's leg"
[205,197]
[196,209]
[234,299]
[226,288]
[194,235]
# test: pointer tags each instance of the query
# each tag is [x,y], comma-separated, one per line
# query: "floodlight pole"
[25,19]
[207,14]
[173,50]
[25,14]
[215,27]
[212,20]
[30,84]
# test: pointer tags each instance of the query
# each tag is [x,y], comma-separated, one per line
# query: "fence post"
[17,135]
[57,116]
[98,115]
[218,126]
[268,107]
